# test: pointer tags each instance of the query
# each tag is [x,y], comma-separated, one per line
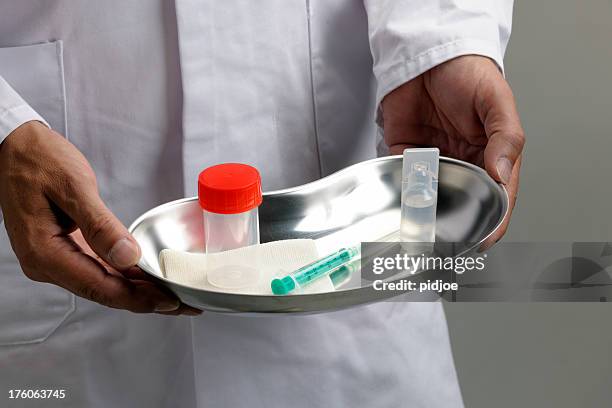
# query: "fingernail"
[504,169]
[124,253]
[167,306]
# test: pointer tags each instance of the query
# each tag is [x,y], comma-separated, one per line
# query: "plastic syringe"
[307,274]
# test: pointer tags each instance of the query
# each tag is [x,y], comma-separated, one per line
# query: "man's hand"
[61,231]
[466,109]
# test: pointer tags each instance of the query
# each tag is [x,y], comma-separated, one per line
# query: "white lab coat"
[152,92]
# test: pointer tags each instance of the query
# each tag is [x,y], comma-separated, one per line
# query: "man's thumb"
[104,233]
[503,128]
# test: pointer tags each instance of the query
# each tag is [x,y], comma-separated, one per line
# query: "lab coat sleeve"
[409,37]
[14,111]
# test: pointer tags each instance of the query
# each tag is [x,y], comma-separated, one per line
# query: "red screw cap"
[229,188]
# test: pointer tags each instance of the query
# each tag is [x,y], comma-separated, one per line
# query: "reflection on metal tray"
[359,203]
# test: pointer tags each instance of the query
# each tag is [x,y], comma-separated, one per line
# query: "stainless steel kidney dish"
[359,203]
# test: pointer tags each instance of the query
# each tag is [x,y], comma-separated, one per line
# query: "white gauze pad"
[247,270]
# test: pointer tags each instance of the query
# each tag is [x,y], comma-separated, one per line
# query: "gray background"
[559,63]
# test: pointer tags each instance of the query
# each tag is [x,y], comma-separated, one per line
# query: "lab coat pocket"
[30,311]
[36,72]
